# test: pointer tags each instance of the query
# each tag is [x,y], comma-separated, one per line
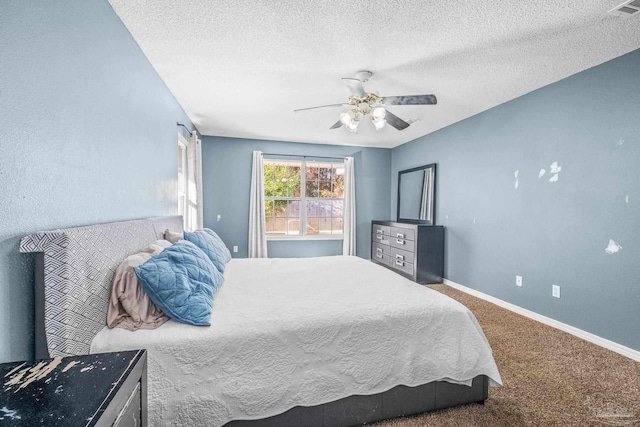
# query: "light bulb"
[378,113]
[352,126]
[379,124]
[350,120]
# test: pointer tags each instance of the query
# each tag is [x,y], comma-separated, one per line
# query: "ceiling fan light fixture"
[345,119]
[378,113]
[352,127]
[364,102]
[379,124]
[350,120]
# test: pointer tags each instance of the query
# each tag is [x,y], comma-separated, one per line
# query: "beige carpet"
[550,378]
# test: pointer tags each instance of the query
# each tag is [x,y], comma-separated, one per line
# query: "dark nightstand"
[107,389]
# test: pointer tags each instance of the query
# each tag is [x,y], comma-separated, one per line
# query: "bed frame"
[73,275]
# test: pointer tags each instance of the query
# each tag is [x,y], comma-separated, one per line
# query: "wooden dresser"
[107,389]
[414,251]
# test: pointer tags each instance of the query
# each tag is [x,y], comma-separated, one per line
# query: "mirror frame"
[432,208]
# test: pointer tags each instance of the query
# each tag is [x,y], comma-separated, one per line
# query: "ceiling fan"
[363,103]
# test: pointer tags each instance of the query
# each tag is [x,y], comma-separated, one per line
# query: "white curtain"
[424,203]
[193,208]
[349,242]
[257,227]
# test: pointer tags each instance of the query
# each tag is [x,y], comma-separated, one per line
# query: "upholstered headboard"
[74,271]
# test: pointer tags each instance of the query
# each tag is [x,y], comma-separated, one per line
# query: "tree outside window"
[303,198]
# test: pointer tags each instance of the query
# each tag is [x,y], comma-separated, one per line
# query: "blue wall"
[226,164]
[548,232]
[87,134]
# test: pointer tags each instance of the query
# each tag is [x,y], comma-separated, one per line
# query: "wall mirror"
[416,195]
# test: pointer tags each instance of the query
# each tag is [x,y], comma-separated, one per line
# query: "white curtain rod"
[303,156]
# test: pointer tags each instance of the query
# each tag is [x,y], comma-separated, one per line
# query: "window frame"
[182,187]
[303,199]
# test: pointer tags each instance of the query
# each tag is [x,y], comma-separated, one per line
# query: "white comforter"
[306,331]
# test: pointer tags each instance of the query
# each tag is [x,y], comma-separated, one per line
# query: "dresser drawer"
[377,248]
[403,233]
[400,254]
[404,266]
[382,239]
[380,229]
[407,245]
[381,258]
[378,256]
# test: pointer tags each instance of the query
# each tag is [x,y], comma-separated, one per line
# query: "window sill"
[312,237]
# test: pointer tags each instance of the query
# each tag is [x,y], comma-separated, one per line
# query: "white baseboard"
[587,336]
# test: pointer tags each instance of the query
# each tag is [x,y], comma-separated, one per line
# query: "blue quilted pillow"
[212,245]
[181,281]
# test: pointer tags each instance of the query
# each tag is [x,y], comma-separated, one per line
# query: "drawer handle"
[379,231]
[400,263]
[379,250]
[379,256]
[402,242]
[379,236]
[400,257]
[400,235]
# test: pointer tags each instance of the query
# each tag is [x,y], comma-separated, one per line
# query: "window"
[182,177]
[303,198]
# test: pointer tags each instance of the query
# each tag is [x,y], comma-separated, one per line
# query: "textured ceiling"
[240,67]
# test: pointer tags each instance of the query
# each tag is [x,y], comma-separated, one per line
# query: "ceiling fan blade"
[320,106]
[355,86]
[410,100]
[395,121]
[336,125]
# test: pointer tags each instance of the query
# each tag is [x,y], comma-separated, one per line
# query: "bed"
[312,341]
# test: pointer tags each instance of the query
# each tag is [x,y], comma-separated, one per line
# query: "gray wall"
[87,134]
[547,232]
[226,164]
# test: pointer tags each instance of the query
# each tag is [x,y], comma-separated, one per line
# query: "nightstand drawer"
[130,414]
[407,245]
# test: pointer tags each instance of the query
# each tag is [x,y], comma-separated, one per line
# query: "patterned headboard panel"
[79,264]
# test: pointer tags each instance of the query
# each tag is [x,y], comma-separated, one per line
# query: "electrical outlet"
[219,217]
[555,291]
[519,281]
[235,249]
